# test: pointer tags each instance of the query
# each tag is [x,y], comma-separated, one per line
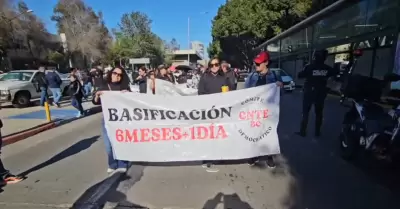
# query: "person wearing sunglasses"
[115,81]
[262,76]
[212,80]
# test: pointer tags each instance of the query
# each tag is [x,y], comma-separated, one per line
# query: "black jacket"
[75,89]
[111,87]
[211,84]
[40,80]
[142,84]
[316,75]
[231,76]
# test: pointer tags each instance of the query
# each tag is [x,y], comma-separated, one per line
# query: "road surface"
[66,167]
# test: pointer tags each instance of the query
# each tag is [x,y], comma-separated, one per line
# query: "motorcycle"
[344,75]
[368,127]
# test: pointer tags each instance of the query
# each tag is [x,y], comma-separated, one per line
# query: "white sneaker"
[110,170]
[122,170]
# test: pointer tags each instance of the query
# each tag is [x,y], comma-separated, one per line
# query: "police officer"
[316,76]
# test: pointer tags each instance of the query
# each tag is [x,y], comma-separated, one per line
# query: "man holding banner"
[262,76]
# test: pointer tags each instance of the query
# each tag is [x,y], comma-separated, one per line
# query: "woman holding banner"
[115,81]
[211,82]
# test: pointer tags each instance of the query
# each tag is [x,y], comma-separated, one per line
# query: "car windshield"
[17,76]
[280,72]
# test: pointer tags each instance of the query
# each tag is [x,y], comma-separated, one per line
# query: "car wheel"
[22,99]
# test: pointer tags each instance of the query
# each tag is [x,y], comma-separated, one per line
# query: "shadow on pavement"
[70,151]
[319,177]
[111,192]
[230,201]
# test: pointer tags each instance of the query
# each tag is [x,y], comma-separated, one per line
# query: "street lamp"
[188,30]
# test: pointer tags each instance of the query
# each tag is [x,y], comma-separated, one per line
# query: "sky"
[170,17]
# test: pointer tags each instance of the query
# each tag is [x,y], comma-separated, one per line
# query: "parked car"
[18,87]
[288,83]
[242,76]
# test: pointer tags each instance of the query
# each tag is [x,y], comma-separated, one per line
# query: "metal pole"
[188,40]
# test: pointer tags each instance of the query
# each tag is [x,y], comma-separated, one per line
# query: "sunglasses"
[257,64]
[214,65]
[117,74]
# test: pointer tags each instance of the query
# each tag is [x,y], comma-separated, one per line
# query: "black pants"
[317,98]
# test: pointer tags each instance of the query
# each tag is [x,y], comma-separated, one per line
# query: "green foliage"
[241,25]
[56,57]
[134,39]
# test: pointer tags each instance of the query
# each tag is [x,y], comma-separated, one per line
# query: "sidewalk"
[18,120]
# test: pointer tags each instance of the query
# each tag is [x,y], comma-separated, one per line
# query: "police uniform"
[315,90]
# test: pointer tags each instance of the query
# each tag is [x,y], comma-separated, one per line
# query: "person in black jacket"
[316,76]
[77,93]
[115,81]
[41,84]
[141,80]
[211,81]
[230,74]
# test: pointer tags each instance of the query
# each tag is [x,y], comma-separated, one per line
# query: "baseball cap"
[262,57]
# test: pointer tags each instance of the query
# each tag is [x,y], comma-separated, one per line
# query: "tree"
[56,57]
[19,29]
[36,35]
[241,25]
[173,45]
[134,39]
[85,31]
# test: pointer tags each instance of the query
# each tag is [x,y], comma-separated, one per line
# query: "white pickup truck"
[17,87]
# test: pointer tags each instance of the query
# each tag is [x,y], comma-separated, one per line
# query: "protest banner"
[170,89]
[160,128]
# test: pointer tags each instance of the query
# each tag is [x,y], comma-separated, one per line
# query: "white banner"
[134,88]
[170,89]
[154,128]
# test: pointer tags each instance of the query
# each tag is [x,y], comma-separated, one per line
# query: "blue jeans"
[88,89]
[43,95]
[56,94]
[112,162]
[76,102]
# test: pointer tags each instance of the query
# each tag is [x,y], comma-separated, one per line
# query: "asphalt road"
[66,168]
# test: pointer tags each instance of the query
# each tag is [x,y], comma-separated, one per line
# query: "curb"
[13,138]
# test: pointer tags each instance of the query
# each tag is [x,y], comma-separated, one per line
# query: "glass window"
[17,76]
[381,15]
[279,72]
[342,24]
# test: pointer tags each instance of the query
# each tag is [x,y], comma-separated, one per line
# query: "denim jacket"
[252,79]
